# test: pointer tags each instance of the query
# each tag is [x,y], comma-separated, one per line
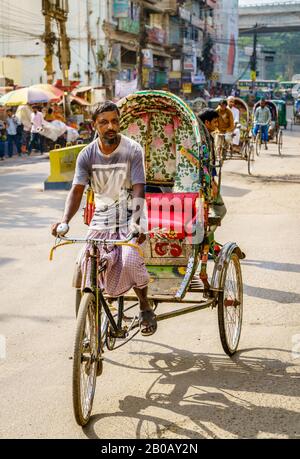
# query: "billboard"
[226,48]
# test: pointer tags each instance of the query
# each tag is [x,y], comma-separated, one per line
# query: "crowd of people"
[38,128]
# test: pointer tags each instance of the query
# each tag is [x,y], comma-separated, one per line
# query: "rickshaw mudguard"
[222,261]
[173,280]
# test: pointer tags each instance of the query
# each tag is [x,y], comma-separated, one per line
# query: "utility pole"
[142,44]
[89,39]
[253,60]
[49,39]
[58,11]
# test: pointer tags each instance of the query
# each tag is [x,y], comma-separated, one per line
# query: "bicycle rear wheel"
[250,158]
[258,143]
[86,359]
[280,143]
[230,306]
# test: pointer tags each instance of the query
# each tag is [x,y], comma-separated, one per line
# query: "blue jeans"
[35,141]
[13,139]
[264,132]
[2,148]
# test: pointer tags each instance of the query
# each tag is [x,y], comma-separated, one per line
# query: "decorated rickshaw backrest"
[167,130]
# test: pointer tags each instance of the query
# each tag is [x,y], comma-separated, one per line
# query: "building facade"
[123,45]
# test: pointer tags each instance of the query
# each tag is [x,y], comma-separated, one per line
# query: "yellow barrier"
[62,167]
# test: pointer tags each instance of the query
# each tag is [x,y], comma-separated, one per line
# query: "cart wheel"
[250,158]
[86,360]
[258,143]
[280,143]
[230,306]
[77,300]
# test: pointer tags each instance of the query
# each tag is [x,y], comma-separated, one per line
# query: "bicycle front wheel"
[258,143]
[85,362]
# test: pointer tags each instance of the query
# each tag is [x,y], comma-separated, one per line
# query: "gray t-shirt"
[112,177]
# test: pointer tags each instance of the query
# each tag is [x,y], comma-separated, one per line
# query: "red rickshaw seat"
[176,212]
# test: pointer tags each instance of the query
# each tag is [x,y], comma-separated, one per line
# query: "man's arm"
[138,203]
[72,205]
[231,121]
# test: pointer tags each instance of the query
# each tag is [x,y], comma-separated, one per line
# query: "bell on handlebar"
[62,229]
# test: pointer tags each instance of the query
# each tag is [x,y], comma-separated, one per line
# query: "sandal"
[147,322]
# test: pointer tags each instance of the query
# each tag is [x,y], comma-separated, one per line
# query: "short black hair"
[107,106]
[224,102]
[208,114]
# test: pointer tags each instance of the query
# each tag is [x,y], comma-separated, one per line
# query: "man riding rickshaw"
[152,138]
[262,120]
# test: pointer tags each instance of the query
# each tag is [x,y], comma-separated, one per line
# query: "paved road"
[177,383]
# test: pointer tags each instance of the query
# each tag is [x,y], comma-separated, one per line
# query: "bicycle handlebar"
[128,238]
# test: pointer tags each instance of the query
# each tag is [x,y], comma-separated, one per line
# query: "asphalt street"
[177,383]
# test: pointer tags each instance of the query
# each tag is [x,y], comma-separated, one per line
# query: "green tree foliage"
[287,58]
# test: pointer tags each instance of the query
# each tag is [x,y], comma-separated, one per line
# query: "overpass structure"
[269,17]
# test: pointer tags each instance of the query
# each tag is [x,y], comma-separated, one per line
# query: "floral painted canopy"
[171,136]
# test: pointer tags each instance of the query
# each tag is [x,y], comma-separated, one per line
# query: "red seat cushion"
[174,211]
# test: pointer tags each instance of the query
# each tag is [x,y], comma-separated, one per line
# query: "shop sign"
[215,76]
[128,25]
[124,88]
[187,77]
[188,63]
[148,58]
[187,88]
[176,65]
[185,14]
[156,35]
[120,8]
[174,75]
[198,79]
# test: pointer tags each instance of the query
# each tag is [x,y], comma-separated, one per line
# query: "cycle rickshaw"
[198,104]
[296,112]
[179,240]
[274,132]
[245,149]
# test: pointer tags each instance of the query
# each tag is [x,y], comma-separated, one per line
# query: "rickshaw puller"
[114,164]
[262,119]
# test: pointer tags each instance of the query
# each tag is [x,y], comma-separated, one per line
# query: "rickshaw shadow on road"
[273,265]
[207,396]
[278,296]
[234,192]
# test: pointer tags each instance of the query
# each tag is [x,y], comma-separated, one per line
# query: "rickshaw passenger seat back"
[176,212]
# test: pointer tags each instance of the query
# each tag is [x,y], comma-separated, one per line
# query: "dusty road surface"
[177,383]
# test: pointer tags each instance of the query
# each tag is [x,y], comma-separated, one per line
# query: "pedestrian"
[13,136]
[37,121]
[24,116]
[2,140]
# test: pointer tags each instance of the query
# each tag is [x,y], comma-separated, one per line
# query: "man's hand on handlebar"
[59,229]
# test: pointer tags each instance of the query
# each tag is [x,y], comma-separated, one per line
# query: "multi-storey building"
[157,43]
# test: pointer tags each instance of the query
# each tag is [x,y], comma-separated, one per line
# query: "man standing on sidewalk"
[12,135]
[23,114]
[37,120]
